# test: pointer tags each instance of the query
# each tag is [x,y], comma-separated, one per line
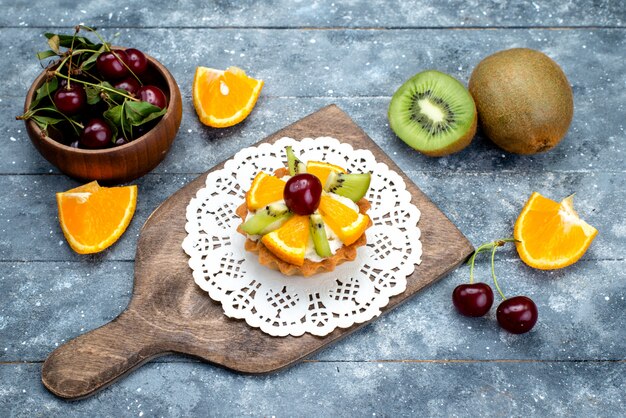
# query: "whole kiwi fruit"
[524,101]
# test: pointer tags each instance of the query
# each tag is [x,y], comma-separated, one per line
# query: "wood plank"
[197,147]
[29,229]
[169,313]
[48,303]
[324,13]
[338,389]
[345,63]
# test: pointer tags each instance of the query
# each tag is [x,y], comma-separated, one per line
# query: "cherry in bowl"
[302,193]
[136,61]
[130,84]
[152,95]
[111,65]
[97,134]
[70,100]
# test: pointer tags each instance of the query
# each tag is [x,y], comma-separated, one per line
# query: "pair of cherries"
[517,315]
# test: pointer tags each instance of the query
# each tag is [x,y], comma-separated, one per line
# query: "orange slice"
[264,190]
[224,98]
[321,170]
[93,218]
[289,241]
[348,224]
[550,234]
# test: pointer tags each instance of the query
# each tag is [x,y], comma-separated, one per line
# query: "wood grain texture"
[168,312]
[122,163]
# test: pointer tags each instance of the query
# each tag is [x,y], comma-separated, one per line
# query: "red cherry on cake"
[302,193]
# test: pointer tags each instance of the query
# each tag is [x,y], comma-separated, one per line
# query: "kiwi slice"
[353,185]
[433,113]
[318,233]
[295,165]
[267,219]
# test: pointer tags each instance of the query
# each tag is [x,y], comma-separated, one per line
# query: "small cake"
[305,218]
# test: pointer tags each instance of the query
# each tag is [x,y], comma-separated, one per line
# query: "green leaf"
[89,62]
[46,54]
[44,91]
[93,94]
[118,95]
[45,121]
[54,42]
[115,115]
[80,42]
[138,113]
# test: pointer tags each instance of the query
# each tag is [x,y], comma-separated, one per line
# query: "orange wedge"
[550,234]
[264,190]
[93,218]
[224,98]
[348,224]
[321,170]
[289,241]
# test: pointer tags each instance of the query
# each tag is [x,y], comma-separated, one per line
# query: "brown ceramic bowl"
[121,163]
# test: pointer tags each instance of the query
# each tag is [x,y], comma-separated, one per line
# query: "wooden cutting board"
[169,313]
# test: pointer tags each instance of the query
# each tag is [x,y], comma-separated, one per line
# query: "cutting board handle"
[96,359]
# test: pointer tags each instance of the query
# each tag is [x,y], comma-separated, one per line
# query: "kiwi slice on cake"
[351,185]
[433,113]
[267,219]
[295,165]
[318,233]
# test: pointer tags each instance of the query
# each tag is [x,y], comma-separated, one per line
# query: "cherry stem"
[483,247]
[100,86]
[88,29]
[69,67]
[487,247]
[493,269]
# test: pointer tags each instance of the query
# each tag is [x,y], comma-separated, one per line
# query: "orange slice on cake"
[321,170]
[93,218]
[347,223]
[264,190]
[224,98]
[289,241]
[550,235]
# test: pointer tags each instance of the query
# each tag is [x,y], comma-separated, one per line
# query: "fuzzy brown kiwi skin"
[519,116]
[457,146]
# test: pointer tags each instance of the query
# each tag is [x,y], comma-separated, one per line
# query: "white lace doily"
[290,305]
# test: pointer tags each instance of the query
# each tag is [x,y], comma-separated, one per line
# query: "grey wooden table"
[421,359]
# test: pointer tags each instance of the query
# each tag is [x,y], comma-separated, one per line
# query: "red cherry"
[130,84]
[473,299]
[97,134]
[517,314]
[136,61]
[70,100]
[302,193]
[112,67]
[152,95]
